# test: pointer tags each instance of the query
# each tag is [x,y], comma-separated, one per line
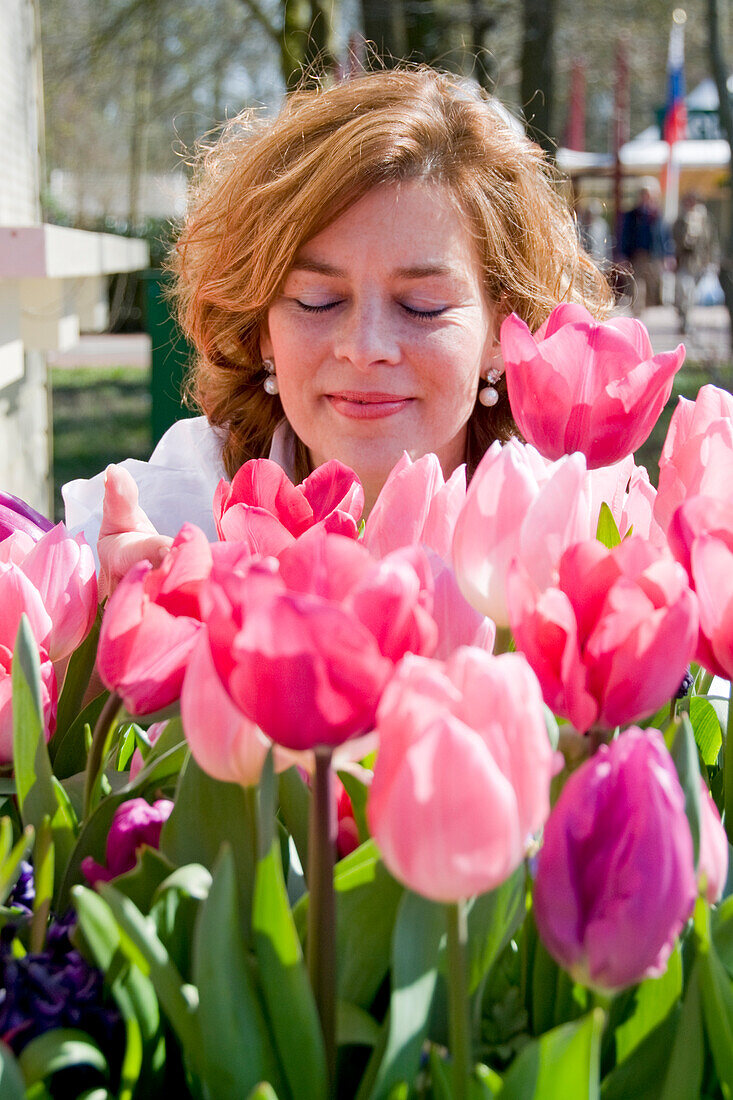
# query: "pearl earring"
[270,384]
[489,395]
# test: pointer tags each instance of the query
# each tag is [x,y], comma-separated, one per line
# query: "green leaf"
[653,1000]
[489,1084]
[639,1076]
[142,947]
[12,1085]
[10,866]
[492,920]
[367,898]
[717,1003]
[70,749]
[43,864]
[439,1076]
[607,531]
[237,1048]
[294,798]
[706,728]
[76,681]
[57,1050]
[175,910]
[207,813]
[563,1062]
[722,932]
[418,931]
[357,792]
[684,754]
[140,884]
[288,997]
[263,1091]
[31,763]
[686,1060]
[355,1027]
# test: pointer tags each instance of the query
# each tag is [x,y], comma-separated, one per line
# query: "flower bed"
[424,806]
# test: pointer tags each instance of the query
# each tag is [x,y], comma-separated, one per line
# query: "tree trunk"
[538,70]
[725,115]
[481,23]
[384,29]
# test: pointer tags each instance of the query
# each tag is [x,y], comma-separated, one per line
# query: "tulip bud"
[615,877]
[16,515]
[712,864]
[135,823]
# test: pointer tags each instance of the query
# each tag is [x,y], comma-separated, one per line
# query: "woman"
[343,273]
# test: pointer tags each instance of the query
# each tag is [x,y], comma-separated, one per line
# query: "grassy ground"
[102,415]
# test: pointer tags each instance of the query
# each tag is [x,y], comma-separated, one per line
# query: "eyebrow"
[417,271]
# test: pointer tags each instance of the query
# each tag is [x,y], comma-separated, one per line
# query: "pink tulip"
[151,622]
[697,456]
[135,823]
[517,506]
[612,641]
[306,650]
[712,864]
[462,776]
[18,596]
[223,741]
[630,496]
[615,877]
[263,509]
[62,570]
[458,622]
[578,385]
[347,836]
[416,505]
[701,538]
[48,700]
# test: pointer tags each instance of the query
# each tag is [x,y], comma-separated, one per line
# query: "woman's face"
[381,332]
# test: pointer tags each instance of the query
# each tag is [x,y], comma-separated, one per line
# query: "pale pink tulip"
[630,496]
[697,456]
[18,596]
[712,864]
[48,700]
[462,776]
[263,509]
[416,505]
[150,625]
[615,877]
[701,538]
[517,506]
[458,622]
[578,385]
[612,641]
[62,570]
[305,651]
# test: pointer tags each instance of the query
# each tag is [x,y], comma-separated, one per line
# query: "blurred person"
[644,246]
[694,243]
[595,235]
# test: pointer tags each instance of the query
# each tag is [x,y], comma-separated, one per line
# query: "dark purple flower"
[16,515]
[56,988]
[23,893]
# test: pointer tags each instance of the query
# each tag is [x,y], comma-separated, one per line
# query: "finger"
[120,509]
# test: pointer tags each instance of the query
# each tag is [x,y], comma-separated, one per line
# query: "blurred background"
[103,99]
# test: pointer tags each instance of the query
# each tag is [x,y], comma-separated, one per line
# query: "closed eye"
[423,314]
[318,309]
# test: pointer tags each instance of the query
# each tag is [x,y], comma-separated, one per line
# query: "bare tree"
[538,70]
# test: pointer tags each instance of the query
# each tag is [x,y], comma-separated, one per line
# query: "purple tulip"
[135,823]
[615,877]
[16,515]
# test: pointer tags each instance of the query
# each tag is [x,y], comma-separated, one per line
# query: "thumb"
[120,509]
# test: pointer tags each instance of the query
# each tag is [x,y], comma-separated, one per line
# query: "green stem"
[503,642]
[728,772]
[458,1018]
[322,903]
[706,679]
[96,751]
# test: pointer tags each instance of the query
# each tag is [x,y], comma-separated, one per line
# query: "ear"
[492,358]
[266,350]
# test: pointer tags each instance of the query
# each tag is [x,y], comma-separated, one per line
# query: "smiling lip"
[367,406]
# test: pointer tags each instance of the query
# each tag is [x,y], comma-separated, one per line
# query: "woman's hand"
[126,535]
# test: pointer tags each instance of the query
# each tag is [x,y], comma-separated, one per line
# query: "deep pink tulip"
[697,456]
[462,776]
[16,515]
[151,622]
[701,538]
[578,385]
[712,864]
[306,649]
[416,505]
[223,741]
[48,700]
[615,877]
[518,506]
[135,823]
[62,570]
[263,509]
[347,836]
[612,641]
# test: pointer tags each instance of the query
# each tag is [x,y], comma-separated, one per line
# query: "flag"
[675,112]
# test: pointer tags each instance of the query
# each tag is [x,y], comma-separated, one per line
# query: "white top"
[176,485]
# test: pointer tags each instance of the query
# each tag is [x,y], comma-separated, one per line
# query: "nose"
[368,334]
